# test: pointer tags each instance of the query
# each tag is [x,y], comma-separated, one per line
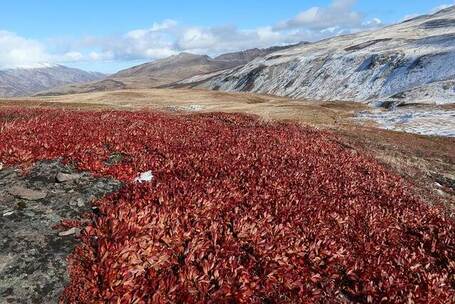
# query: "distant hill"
[28,81]
[171,69]
[409,62]
[165,71]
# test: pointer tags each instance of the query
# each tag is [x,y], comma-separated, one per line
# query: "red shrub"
[238,212]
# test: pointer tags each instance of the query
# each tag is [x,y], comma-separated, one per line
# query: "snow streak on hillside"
[419,121]
[415,58]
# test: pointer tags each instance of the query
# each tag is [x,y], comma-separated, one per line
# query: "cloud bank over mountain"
[169,37]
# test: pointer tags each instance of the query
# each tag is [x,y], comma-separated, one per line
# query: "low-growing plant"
[238,211]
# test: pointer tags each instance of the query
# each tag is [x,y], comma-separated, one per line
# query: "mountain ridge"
[166,71]
[22,81]
[369,67]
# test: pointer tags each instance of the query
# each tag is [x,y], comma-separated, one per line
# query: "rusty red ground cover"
[238,211]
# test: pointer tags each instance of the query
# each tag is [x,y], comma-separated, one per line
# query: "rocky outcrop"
[438,92]
[243,57]
[367,67]
[32,253]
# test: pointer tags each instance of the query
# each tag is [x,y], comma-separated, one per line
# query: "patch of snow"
[438,93]
[187,108]
[419,121]
[42,65]
[440,192]
[194,108]
[144,177]
[8,213]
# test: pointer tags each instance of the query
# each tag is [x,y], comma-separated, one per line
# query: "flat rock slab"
[33,266]
[67,177]
[71,231]
[26,194]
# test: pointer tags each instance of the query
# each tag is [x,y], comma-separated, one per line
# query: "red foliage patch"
[238,211]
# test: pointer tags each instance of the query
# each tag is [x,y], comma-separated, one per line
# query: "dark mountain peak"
[448,10]
[250,54]
[187,56]
[446,13]
[174,62]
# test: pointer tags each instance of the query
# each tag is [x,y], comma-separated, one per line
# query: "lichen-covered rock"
[27,194]
[33,254]
[67,177]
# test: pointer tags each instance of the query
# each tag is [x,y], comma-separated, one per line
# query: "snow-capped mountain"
[26,81]
[413,61]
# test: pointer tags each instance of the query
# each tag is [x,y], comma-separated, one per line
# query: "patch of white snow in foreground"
[144,177]
[419,121]
[194,108]
[188,108]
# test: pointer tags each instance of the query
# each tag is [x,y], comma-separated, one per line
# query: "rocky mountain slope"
[23,82]
[243,57]
[166,71]
[413,61]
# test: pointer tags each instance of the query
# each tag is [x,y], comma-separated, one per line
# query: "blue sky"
[108,35]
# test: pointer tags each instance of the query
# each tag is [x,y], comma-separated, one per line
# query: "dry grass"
[425,161]
[268,107]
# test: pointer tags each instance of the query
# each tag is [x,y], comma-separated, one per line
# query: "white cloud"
[165,25]
[73,56]
[160,52]
[375,22]
[195,38]
[156,27]
[168,37]
[101,56]
[339,14]
[213,40]
[18,51]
